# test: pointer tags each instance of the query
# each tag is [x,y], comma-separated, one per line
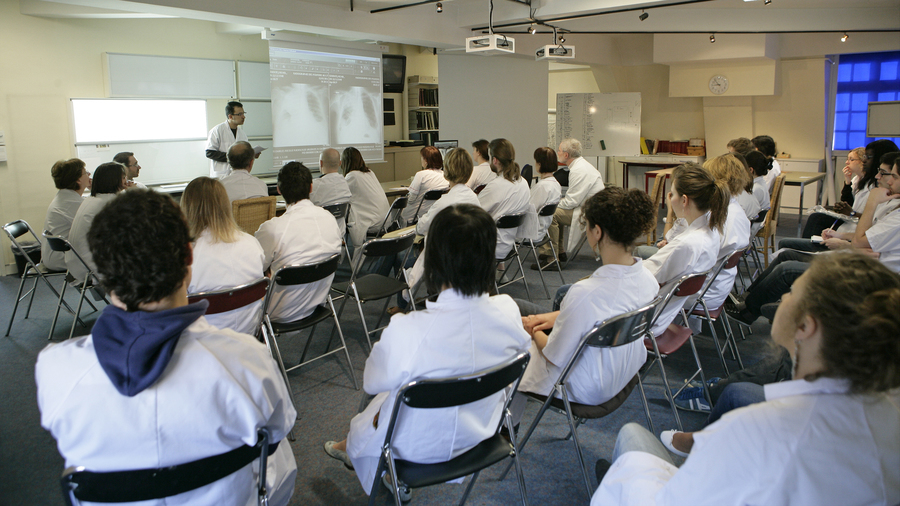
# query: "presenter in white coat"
[224,255]
[222,136]
[368,203]
[71,178]
[508,194]
[464,331]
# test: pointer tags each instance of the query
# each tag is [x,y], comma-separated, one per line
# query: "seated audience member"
[481,172]
[740,185]
[740,145]
[331,188]
[431,177]
[71,178]
[827,437]
[546,190]
[132,169]
[464,331]
[155,385]
[240,184]
[224,256]
[700,206]
[759,167]
[109,179]
[304,234]
[508,194]
[766,145]
[368,203]
[615,218]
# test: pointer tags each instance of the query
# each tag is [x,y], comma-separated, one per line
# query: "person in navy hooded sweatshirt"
[155,385]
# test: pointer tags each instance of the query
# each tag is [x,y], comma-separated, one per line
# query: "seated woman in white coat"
[615,218]
[546,190]
[431,177]
[368,203]
[109,179]
[700,206]
[464,331]
[508,194]
[829,437]
[741,186]
[224,255]
[71,178]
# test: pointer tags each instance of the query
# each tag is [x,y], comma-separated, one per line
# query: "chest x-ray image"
[355,116]
[300,112]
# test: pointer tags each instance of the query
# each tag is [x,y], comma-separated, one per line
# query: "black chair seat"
[319,314]
[586,410]
[371,287]
[485,453]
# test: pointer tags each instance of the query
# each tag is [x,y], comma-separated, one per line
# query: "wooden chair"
[251,213]
[656,195]
[767,232]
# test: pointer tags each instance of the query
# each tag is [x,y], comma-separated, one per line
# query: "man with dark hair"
[155,385]
[132,168]
[240,184]
[222,136]
[740,145]
[304,234]
[481,172]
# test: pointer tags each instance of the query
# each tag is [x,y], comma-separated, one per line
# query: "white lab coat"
[481,174]
[884,238]
[694,249]
[331,189]
[368,205]
[221,139]
[761,193]
[60,214]
[600,373]
[771,175]
[303,234]
[545,191]
[748,203]
[78,235]
[424,181]
[240,185]
[809,443]
[221,265]
[584,182]
[217,390]
[455,335]
[736,236]
[502,197]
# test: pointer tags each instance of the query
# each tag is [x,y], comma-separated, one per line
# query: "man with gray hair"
[132,168]
[330,188]
[240,184]
[584,181]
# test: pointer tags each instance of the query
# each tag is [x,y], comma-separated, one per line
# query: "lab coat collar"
[701,221]
[298,204]
[802,387]
[134,347]
[451,297]
[616,271]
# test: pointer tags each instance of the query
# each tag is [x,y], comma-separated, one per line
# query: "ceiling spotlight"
[767,2]
[845,37]
[562,40]
[532,29]
[712,38]
[643,16]
[440,8]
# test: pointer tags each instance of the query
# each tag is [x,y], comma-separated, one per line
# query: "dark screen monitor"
[393,67]
[445,146]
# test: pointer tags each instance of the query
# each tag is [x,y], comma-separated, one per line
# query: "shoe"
[562,256]
[396,310]
[768,310]
[666,438]
[405,494]
[338,454]
[601,468]
[741,314]
[545,264]
[711,382]
[692,399]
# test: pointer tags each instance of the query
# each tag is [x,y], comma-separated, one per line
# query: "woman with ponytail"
[508,194]
[829,437]
[700,206]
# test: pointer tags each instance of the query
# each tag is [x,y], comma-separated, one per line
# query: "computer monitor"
[445,146]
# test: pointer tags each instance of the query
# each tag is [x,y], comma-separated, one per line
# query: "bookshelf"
[423,109]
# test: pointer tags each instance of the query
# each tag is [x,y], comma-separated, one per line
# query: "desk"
[396,188]
[802,179]
[665,173]
[659,161]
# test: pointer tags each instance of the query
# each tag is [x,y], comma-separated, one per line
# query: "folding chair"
[366,287]
[478,188]
[527,174]
[447,393]
[511,221]
[293,275]
[340,212]
[770,226]
[229,299]
[90,280]
[14,230]
[431,195]
[673,338]
[393,216]
[79,484]
[251,213]
[544,211]
[617,331]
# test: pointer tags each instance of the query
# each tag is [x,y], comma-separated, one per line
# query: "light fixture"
[532,29]
[712,37]
[440,8]
[767,2]
[845,37]
[562,40]
[643,16]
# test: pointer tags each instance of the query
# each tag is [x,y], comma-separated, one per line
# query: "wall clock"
[718,84]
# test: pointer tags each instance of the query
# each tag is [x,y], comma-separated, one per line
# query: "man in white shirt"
[240,184]
[584,181]
[132,169]
[222,136]
[481,173]
[330,188]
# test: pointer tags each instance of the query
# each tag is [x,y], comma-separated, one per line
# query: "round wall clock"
[718,84]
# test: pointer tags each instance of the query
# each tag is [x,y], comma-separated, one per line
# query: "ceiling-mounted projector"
[491,44]
[555,52]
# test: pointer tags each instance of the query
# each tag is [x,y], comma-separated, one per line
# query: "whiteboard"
[131,75]
[883,119]
[253,80]
[259,119]
[607,124]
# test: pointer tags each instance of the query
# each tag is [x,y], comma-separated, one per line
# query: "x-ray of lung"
[300,113]
[355,114]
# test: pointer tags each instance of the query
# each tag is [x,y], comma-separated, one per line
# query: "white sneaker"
[666,437]
[338,454]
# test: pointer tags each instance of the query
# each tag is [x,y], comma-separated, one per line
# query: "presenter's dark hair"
[123,157]
[547,158]
[140,267]
[765,145]
[462,240]
[229,107]
[352,159]
[758,163]
[66,173]
[432,156]
[481,145]
[240,154]
[107,178]
[623,215]
[294,181]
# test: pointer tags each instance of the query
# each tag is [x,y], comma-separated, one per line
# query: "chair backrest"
[397,206]
[562,175]
[380,247]
[290,275]
[57,243]
[478,188]
[735,258]
[229,299]
[527,173]
[511,221]
[775,203]
[251,213]
[761,217]
[339,210]
[16,229]
[430,195]
[548,209]
[685,286]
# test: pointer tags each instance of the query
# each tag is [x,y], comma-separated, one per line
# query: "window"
[863,78]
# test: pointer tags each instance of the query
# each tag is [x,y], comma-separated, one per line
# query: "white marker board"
[133,75]
[883,119]
[607,124]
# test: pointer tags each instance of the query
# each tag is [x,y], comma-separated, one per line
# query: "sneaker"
[405,494]
[692,399]
[562,256]
[338,454]
[696,384]
[666,438]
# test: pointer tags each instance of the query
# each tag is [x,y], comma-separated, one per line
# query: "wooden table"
[802,179]
[627,164]
[665,173]
[396,188]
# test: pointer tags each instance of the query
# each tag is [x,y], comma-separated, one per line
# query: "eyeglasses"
[239,114]
[886,173]
[853,159]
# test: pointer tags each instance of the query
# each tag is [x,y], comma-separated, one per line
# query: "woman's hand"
[537,322]
[835,243]
[848,175]
[662,243]
[843,208]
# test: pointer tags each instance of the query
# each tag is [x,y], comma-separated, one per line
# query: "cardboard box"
[422,80]
[696,151]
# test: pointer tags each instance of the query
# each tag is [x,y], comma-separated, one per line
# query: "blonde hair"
[729,169]
[206,207]
[505,153]
[707,193]
[458,166]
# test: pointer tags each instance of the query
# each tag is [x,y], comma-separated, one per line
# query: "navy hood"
[134,348]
